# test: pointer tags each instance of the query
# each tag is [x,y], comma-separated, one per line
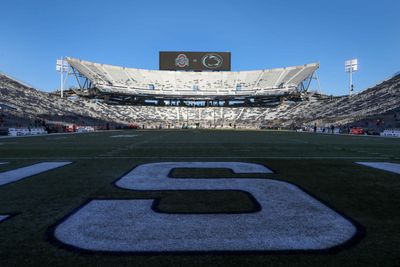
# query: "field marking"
[55,134]
[120,149]
[9,143]
[190,157]
[57,138]
[3,217]
[24,172]
[124,136]
[289,219]
[371,153]
[386,166]
[2,163]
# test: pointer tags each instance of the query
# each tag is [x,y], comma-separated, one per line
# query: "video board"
[195,61]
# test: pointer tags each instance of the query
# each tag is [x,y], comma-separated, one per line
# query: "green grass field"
[323,165]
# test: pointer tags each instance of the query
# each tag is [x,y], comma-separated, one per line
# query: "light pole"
[62,67]
[351,66]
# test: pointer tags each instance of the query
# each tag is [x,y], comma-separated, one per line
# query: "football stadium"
[198,164]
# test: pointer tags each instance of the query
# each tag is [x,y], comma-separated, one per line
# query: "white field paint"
[57,138]
[8,143]
[124,136]
[3,217]
[386,166]
[289,219]
[21,173]
[2,163]
[195,157]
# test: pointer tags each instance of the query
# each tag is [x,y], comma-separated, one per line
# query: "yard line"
[119,149]
[124,136]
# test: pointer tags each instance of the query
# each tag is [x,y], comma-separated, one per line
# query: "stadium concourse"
[22,105]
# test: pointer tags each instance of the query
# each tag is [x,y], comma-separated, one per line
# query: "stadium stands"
[21,104]
[203,85]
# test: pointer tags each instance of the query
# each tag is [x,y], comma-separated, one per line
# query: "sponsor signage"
[195,61]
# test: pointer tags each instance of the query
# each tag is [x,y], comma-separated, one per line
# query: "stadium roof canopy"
[109,79]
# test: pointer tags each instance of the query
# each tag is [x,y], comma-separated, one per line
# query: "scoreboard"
[195,61]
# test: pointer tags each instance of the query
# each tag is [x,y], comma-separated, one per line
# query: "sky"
[260,34]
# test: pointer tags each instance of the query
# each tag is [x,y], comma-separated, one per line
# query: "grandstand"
[121,84]
[21,104]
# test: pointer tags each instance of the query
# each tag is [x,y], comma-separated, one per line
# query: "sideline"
[56,134]
[188,157]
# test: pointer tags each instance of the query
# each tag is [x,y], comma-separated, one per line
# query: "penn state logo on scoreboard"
[212,61]
[182,61]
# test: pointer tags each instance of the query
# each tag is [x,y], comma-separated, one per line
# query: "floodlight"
[62,67]
[351,66]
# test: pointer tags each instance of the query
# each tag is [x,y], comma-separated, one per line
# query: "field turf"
[322,165]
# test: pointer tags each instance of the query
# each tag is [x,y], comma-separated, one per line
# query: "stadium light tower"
[62,67]
[351,66]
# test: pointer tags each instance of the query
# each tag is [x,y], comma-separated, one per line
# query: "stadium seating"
[16,107]
[108,78]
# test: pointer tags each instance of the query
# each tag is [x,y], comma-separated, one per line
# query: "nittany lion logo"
[212,61]
[182,61]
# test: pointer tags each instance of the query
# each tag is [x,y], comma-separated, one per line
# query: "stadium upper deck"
[108,79]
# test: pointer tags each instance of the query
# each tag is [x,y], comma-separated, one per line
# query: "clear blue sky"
[261,34]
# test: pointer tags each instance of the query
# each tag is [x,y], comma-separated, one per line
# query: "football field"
[198,198]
